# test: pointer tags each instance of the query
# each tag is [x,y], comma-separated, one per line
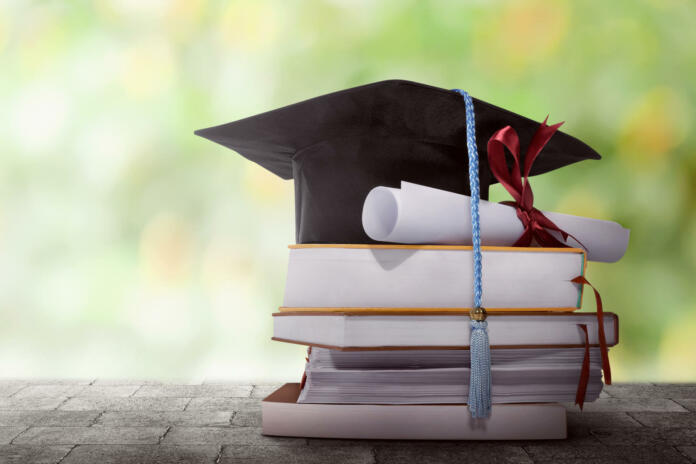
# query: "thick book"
[283,416]
[442,376]
[430,276]
[446,330]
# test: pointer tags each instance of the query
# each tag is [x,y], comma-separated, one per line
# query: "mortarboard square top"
[339,146]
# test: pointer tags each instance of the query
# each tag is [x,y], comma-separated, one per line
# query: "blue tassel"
[480,380]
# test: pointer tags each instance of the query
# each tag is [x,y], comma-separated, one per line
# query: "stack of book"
[388,329]
[388,326]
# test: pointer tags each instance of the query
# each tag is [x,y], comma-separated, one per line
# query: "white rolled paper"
[417,214]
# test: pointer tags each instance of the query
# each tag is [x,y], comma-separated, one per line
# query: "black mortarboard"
[337,147]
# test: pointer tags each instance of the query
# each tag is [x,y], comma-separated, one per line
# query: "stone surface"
[427,453]
[630,405]
[30,454]
[224,404]
[10,388]
[688,403]
[641,390]
[139,421]
[226,436]
[262,391]
[49,418]
[357,454]
[27,404]
[247,418]
[139,454]
[7,434]
[688,451]
[602,419]
[560,453]
[195,391]
[91,435]
[666,420]
[125,404]
[166,418]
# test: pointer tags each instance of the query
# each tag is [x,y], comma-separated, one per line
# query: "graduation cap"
[339,146]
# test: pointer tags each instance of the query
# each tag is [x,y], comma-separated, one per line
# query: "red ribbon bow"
[536,225]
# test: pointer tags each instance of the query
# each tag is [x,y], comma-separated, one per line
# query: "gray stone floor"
[99,421]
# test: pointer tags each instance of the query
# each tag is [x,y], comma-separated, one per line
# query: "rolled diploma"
[419,214]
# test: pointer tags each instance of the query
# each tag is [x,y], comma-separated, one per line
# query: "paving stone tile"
[356,454]
[107,391]
[8,433]
[42,391]
[140,454]
[666,419]
[121,382]
[629,405]
[50,381]
[125,404]
[642,390]
[225,404]
[29,404]
[578,435]
[96,435]
[435,452]
[30,454]
[262,391]
[601,419]
[48,418]
[558,452]
[689,404]
[646,436]
[9,389]
[195,391]
[166,418]
[224,436]
[48,391]
[688,451]
[247,418]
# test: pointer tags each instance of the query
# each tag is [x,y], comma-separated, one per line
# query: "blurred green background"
[131,248]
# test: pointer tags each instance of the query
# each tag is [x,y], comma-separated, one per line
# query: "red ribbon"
[584,371]
[304,373]
[606,368]
[536,225]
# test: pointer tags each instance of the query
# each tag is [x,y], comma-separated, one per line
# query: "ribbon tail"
[584,371]
[606,368]
[480,377]
[304,373]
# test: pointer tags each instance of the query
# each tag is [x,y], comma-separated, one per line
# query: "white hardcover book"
[346,330]
[283,416]
[403,276]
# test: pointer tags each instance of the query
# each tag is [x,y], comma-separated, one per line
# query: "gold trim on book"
[433,247]
[380,310]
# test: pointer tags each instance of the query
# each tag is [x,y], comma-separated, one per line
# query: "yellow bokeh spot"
[677,355]
[657,123]
[521,34]
[147,67]
[183,16]
[583,202]
[248,26]
[165,249]
[225,262]
[263,186]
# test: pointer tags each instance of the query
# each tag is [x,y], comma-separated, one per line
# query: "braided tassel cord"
[480,352]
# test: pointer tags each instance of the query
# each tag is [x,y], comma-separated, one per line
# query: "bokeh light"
[131,248]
